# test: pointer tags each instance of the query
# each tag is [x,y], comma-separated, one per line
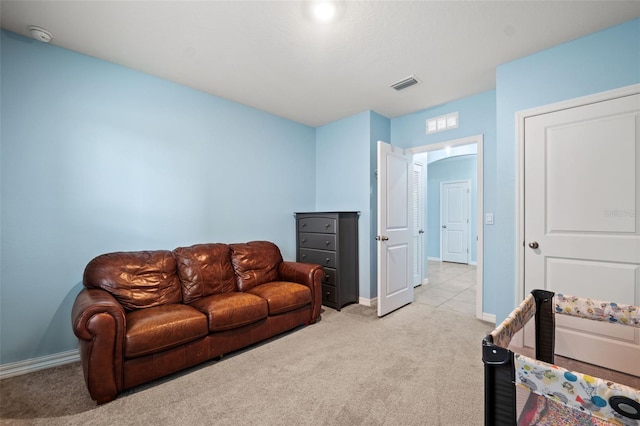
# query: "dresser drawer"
[328,294]
[325,225]
[330,277]
[320,257]
[318,241]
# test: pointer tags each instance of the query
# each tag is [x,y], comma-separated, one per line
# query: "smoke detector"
[40,34]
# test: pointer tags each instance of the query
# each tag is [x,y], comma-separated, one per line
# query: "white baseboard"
[34,364]
[368,302]
[488,317]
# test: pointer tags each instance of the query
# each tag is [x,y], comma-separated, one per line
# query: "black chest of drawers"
[330,239]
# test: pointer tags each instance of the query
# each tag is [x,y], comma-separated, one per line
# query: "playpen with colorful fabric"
[556,396]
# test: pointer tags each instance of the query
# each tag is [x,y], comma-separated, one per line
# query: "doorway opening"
[442,150]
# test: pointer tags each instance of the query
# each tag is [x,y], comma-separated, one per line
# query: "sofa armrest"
[307,274]
[99,323]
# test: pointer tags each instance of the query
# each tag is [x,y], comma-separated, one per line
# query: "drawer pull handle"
[304,256]
[326,242]
[327,225]
[304,240]
[328,293]
[328,260]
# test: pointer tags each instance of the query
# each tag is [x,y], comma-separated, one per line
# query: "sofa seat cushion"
[162,327]
[282,296]
[226,311]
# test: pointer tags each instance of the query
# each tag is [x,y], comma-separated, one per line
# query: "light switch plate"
[488,218]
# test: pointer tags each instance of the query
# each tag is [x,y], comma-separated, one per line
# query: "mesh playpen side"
[556,396]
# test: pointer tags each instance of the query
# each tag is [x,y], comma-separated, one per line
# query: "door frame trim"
[479,141]
[468,225]
[521,116]
[421,202]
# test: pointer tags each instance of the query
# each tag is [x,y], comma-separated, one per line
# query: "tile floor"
[451,286]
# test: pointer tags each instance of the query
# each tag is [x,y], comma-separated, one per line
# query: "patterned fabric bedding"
[514,322]
[558,396]
[598,310]
[578,392]
[541,411]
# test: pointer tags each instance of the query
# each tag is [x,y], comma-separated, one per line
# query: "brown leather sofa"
[143,315]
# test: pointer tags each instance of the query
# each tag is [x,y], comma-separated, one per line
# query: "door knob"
[534,245]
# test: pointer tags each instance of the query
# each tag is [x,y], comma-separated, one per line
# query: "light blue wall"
[343,179]
[96,157]
[477,116]
[462,167]
[601,61]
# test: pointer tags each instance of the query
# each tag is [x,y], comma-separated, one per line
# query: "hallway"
[452,286]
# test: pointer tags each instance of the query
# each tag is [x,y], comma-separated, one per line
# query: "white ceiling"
[271,55]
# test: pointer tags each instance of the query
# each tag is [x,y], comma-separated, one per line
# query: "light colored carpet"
[420,365]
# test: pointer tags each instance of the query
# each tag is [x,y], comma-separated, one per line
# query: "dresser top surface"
[329,212]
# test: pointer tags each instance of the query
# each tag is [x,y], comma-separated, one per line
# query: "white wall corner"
[368,302]
[488,317]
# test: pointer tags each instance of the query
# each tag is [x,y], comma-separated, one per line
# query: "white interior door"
[417,207]
[582,221]
[454,217]
[395,288]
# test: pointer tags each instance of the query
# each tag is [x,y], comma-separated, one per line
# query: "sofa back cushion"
[140,279]
[204,269]
[255,263]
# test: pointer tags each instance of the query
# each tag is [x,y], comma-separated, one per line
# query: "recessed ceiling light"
[324,10]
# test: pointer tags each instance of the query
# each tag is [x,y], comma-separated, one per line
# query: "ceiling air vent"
[407,82]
